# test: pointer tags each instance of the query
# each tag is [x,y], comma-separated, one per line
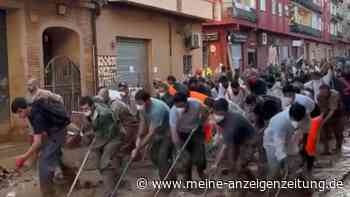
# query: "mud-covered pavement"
[26,185]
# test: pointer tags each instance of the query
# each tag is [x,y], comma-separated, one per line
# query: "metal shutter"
[131,61]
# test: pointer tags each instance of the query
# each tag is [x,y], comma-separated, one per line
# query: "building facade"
[74,47]
[275,31]
[49,41]
[148,39]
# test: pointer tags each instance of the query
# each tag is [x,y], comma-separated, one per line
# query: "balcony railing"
[334,37]
[298,28]
[309,4]
[339,16]
[245,14]
[334,18]
[340,35]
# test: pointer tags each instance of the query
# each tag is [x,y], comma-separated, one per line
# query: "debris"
[11,194]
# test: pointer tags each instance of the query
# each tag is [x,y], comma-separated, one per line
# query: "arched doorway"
[61,59]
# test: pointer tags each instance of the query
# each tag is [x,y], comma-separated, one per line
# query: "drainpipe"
[94,13]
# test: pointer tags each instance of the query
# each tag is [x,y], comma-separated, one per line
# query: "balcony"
[298,28]
[201,9]
[334,37]
[340,35]
[310,5]
[340,17]
[249,15]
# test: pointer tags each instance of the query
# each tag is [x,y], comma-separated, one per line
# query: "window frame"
[264,7]
[280,9]
[274,6]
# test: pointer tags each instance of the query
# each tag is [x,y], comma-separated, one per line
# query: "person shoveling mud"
[50,118]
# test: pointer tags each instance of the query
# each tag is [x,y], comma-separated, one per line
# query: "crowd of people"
[279,121]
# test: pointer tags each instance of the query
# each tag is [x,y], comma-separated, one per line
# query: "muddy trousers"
[50,158]
[161,156]
[196,150]
[335,126]
[109,165]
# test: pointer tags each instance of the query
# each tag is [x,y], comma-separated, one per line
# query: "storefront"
[273,49]
[147,44]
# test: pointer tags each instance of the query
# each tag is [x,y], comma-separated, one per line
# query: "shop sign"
[210,37]
[297,43]
[238,37]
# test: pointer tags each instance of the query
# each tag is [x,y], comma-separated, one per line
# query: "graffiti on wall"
[107,71]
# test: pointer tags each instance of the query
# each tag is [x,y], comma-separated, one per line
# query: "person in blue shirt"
[154,115]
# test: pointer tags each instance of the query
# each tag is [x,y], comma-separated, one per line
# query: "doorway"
[252,58]
[61,56]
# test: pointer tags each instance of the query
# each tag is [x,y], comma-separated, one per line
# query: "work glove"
[20,162]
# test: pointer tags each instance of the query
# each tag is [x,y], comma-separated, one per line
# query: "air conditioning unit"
[193,41]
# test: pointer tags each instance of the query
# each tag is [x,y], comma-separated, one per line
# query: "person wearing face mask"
[179,87]
[163,94]
[281,141]
[224,89]
[103,97]
[106,129]
[155,122]
[291,96]
[238,137]
[189,115]
[239,94]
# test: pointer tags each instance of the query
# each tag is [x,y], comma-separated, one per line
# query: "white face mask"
[218,118]
[161,94]
[88,113]
[295,124]
[140,107]
[289,100]
[180,110]
[122,93]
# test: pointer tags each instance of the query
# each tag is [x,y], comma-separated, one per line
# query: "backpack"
[54,112]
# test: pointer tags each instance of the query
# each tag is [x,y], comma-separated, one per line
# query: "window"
[187,64]
[248,3]
[316,21]
[263,5]
[333,29]
[274,5]
[227,4]
[286,10]
[280,9]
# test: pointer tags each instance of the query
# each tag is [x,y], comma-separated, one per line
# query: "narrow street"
[327,168]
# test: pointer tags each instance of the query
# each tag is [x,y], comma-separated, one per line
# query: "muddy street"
[27,185]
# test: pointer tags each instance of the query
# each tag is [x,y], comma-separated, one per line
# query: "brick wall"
[41,16]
